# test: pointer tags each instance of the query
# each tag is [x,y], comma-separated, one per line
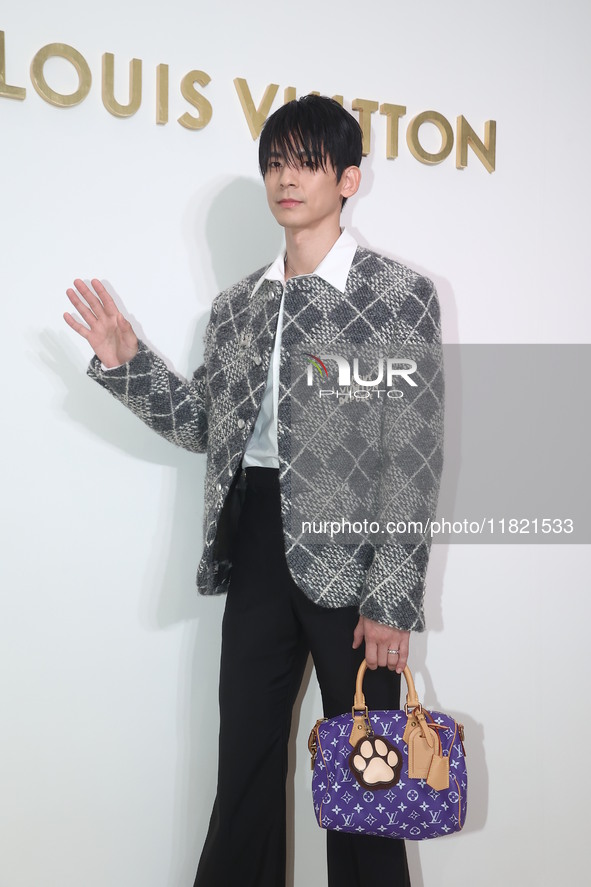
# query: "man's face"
[301,197]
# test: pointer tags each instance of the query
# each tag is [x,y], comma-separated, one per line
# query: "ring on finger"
[394,651]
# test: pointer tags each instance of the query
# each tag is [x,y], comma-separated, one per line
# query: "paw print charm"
[375,763]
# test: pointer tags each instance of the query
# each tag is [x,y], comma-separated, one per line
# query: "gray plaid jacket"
[363,455]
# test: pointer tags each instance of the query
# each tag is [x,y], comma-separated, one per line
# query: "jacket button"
[218,488]
[257,359]
[241,423]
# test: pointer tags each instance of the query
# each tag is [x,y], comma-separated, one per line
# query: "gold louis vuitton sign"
[128,109]
[255,114]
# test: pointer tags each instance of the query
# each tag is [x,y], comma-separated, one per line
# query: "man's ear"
[350,181]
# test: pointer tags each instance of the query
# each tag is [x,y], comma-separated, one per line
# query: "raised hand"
[108,333]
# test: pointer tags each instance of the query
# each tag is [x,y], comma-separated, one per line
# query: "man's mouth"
[288,201]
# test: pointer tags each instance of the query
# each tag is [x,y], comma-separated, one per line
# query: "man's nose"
[288,175]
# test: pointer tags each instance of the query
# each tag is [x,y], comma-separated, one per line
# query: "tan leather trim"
[411,724]
[412,700]
[425,758]
[438,776]
[313,741]
[361,728]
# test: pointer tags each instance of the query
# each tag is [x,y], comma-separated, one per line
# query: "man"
[289,595]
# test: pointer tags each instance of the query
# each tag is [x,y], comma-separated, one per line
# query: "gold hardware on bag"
[409,709]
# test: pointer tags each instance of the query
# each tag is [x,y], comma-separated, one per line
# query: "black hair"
[316,127]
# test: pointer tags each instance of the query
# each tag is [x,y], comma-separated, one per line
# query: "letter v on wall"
[255,117]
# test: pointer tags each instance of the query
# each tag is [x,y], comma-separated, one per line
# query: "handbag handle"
[412,700]
[426,760]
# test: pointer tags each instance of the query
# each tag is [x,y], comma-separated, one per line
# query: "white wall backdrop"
[108,672]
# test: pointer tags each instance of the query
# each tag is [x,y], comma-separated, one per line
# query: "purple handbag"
[398,774]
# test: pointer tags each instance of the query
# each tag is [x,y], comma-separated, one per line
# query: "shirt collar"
[334,267]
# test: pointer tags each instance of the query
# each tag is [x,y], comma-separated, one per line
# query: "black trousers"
[268,630]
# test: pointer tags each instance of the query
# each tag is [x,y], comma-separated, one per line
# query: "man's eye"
[308,164]
[274,164]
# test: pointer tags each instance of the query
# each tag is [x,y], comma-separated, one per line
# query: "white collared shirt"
[261,448]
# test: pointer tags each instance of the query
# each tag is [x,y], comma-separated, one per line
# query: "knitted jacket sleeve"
[411,463]
[175,408]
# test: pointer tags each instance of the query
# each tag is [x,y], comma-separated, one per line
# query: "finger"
[91,297]
[382,655]
[78,327]
[358,635]
[89,316]
[371,655]
[393,658]
[402,653]
[105,297]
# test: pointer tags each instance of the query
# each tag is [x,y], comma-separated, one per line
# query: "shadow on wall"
[231,217]
[454,663]
[228,225]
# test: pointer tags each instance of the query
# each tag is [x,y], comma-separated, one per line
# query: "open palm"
[109,334]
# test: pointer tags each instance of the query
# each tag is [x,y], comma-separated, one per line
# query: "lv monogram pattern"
[409,809]
[385,306]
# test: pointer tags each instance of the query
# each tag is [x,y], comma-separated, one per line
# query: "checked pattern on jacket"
[393,454]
